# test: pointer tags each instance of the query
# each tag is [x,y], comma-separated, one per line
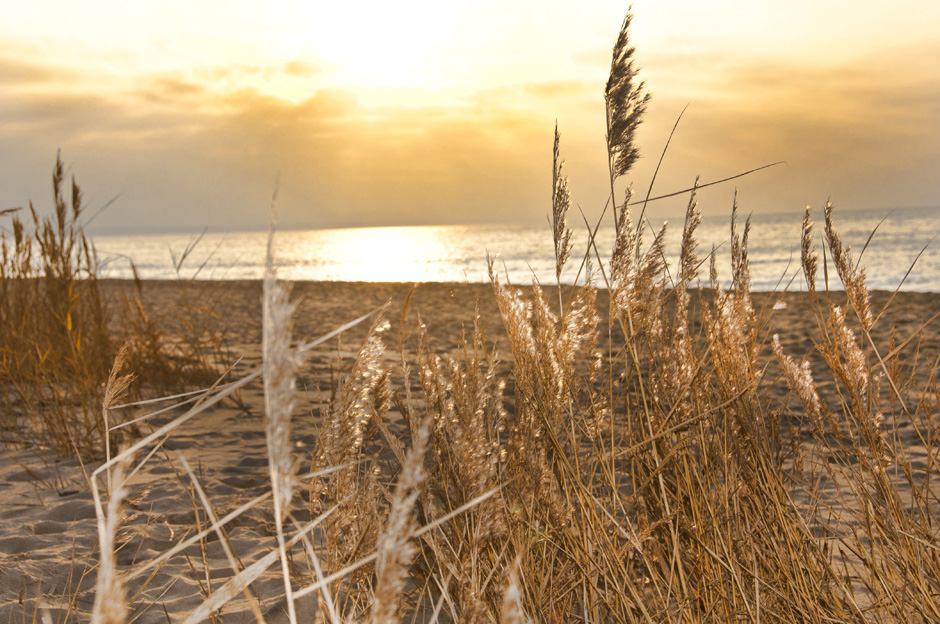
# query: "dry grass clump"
[55,350]
[644,469]
[60,336]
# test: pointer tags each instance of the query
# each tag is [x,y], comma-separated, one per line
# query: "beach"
[48,535]
[311,346]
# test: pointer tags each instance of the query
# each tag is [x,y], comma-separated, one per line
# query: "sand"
[48,539]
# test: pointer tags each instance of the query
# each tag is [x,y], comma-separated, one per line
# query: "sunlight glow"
[379,43]
[372,254]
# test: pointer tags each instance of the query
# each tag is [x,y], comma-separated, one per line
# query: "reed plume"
[732,335]
[740,267]
[800,379]
[281,365]
[848,362]
[852,276]
[638,282]
[115,388]
[561,200]
[674,374]
[627,240]
[809,259]
[394,548]
[688,267]
[110,606]
[626,101]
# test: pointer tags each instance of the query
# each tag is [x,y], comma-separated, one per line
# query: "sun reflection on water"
[458,253]
[387,254]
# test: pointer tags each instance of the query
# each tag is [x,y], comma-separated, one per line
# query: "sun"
[380,43]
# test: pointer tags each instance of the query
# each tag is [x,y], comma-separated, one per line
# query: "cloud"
[170,89]
[15,72]
[557,96]
[865,133]
[302,69]
[183,156]
[205,147]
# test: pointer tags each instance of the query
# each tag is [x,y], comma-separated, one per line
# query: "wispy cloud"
[201,147]
[865,133]
[183,155]
[15,72]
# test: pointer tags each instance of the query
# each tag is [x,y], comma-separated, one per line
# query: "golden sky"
[428,111]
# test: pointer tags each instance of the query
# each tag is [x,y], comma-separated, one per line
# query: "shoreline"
[117,281]
[325,305]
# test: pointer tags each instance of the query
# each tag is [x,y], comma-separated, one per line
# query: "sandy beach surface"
[48,537]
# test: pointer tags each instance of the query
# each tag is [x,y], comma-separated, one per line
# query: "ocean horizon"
[524,254]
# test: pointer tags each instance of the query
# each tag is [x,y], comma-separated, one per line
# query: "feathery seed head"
[688,263]
[394,548]
[280,367]
[561,201]
[110,605]
[808,256]
[856,364]
[799,378]
[853,278]
[626,102]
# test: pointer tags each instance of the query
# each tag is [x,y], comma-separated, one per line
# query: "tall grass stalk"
[281,365]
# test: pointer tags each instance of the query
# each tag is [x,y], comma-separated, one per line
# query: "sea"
[897,249]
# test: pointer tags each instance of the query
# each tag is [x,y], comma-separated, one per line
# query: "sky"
[189,115]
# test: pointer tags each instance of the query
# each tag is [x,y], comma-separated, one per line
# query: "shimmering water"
[458,253]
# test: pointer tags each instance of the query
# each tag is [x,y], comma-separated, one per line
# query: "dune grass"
[61,334]
[55,350]
[646,452]
[661,459]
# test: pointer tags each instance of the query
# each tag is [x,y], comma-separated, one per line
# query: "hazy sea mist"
[458,253]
